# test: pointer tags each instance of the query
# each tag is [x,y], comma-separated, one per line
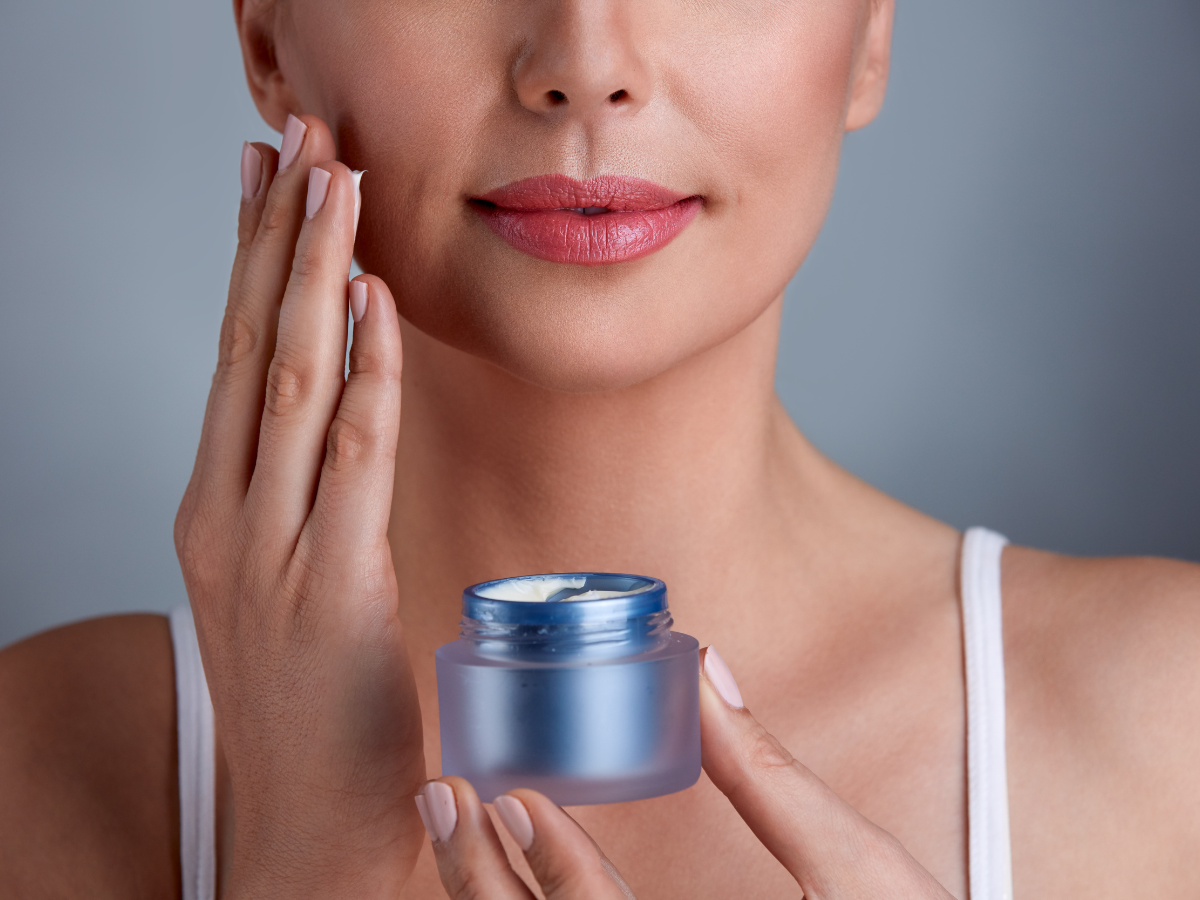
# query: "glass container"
[588,700]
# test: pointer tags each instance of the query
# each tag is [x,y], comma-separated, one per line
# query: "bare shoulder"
[87,762]
[1103,659]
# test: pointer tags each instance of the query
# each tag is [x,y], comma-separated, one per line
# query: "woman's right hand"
[282,536]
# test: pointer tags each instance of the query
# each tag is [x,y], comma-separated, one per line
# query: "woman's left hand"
[829,848]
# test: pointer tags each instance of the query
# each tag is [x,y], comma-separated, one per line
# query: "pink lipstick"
[604,220]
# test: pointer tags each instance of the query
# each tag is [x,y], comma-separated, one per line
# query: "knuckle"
[306,264]
[464,882]
[563,881]
[285,387]
[346,445]
[375,366]
[198,546]
[247,226]
[764,752]
[277,220]
[239,339]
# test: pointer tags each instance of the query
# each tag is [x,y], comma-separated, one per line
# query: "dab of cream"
[540,590]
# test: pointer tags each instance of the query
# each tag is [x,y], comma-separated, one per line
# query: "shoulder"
[87,761]
[1103,683]
[1104,628]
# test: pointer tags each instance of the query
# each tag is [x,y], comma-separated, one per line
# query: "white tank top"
[989,864]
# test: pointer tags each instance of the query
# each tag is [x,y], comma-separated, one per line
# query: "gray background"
[999,324]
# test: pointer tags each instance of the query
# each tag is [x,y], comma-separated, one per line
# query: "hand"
[831,850]
[282,536]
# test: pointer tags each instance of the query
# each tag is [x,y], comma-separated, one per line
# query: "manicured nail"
[443,814]
[293,137]
[251,171]
[423,811]
[721,678]
[357,176]
[358,299]
[515,816]
[318,187]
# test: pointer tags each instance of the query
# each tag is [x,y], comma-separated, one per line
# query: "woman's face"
[735,107]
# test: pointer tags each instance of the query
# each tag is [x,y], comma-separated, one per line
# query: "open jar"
[573,685]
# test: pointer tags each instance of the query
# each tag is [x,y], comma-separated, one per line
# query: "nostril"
[556,97]
[617,96]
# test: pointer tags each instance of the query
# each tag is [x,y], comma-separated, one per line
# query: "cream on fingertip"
[357,176]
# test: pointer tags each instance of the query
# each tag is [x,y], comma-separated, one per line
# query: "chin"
[587,340]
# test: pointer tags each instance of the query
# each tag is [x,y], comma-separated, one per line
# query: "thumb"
[829,847]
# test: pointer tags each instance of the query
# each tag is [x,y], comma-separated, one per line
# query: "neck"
[497,477]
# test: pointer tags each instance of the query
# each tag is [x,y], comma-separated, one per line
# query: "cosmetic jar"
[573,685]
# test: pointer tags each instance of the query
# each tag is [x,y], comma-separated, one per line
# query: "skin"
[557,418]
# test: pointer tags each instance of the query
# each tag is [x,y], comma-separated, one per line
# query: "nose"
[582,61]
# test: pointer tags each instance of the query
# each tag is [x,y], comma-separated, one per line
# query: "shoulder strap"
[197,796]
[989,856]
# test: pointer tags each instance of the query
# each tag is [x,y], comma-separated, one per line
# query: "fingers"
[350,516]
[306,374]
[271,214]
[471,860]
[829,848]
[565,861]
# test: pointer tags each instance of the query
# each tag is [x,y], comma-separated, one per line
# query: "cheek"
[750,116]
[773,115]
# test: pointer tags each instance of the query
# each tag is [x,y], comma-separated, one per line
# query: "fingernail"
[293,137]
[251,171]
[358,299]
[318,187]
[357,176]
[515,816]
[423,811]
[443,814]
[721,678]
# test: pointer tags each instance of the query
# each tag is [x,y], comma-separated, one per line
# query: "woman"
[586,212]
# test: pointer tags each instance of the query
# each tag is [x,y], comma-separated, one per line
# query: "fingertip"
[716,672]
[441,810]
[294,132]
[306,135]
[251,170]
[380,309]
[359,295]
[516,820]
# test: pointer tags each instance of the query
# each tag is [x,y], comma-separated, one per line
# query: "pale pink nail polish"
[515,816]
[318,187]
[423,811]
[721,678]
[251,171]
[358,299]
[293,138]
[443,813]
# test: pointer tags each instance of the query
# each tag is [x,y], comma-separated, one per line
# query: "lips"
[598,222]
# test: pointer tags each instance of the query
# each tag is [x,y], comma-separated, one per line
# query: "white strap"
[989,856]
[197,789]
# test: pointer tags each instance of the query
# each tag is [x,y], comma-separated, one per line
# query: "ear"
[869,83]
[257,24]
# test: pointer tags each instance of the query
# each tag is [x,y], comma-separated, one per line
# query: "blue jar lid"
[560,625]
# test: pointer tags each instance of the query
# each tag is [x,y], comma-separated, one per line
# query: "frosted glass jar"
[587,701]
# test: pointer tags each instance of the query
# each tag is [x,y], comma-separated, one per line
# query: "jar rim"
[651,598]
